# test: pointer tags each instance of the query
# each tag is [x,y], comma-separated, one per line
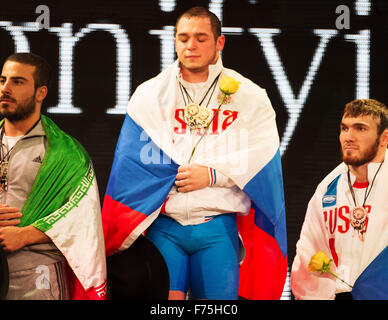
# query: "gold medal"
[191,112]
[197,116]
[192,109]
[204,118]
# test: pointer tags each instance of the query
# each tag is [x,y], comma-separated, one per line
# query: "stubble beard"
[23,110]
[366,157]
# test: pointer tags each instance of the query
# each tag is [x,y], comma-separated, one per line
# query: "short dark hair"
[368,107]
[42,68]
[201,12]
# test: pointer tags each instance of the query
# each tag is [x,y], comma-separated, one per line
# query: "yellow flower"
[319,262]
[229,85]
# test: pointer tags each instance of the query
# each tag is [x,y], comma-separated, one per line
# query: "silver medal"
[3,175]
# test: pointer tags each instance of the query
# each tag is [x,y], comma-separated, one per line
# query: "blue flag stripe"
[139,161]
[267,195]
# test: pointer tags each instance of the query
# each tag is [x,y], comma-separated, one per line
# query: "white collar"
[372,169]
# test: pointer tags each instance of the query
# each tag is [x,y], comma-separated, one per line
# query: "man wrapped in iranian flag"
[50,216]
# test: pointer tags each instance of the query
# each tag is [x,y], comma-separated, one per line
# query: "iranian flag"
[64,204]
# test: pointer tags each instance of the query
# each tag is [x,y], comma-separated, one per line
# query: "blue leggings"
[204,257]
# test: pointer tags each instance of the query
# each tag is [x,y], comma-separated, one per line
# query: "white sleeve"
[217,179]
[313,238]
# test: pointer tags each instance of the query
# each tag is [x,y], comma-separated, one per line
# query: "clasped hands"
[9,218]
[192,177]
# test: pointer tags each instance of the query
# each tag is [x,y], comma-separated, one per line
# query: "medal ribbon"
[358,215]
[367,188]
[4,160]
[208,90]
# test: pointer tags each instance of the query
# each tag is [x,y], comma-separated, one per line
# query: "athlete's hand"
[15,238]
[9,216]
[192,177]
[11,238]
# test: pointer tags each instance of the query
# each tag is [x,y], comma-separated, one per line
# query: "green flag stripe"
[47,222]
[64,165]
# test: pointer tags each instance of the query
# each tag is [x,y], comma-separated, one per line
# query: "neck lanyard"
[366,195]
[196,116]
[358,215]
[5,159]
[189,100]
[2,158]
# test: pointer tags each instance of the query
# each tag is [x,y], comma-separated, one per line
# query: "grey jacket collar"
[37,130]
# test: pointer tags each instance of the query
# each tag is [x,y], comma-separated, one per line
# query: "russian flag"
[146,163]
[263,232]
[141,178]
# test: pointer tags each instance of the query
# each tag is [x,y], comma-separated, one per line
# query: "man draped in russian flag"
[50,214]
[191,160]
[347,216]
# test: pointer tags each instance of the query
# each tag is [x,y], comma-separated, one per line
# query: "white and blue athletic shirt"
[222,195]
[327,228]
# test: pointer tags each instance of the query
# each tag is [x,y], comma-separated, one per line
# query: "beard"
[367,156]
[22,111]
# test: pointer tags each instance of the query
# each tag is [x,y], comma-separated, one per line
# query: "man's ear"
[220,42]
[384,138]
[41,94]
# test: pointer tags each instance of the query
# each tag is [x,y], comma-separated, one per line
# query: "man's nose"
[192,44]
[5,87]
[349,135]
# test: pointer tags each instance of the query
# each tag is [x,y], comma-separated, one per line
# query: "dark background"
[313,150]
